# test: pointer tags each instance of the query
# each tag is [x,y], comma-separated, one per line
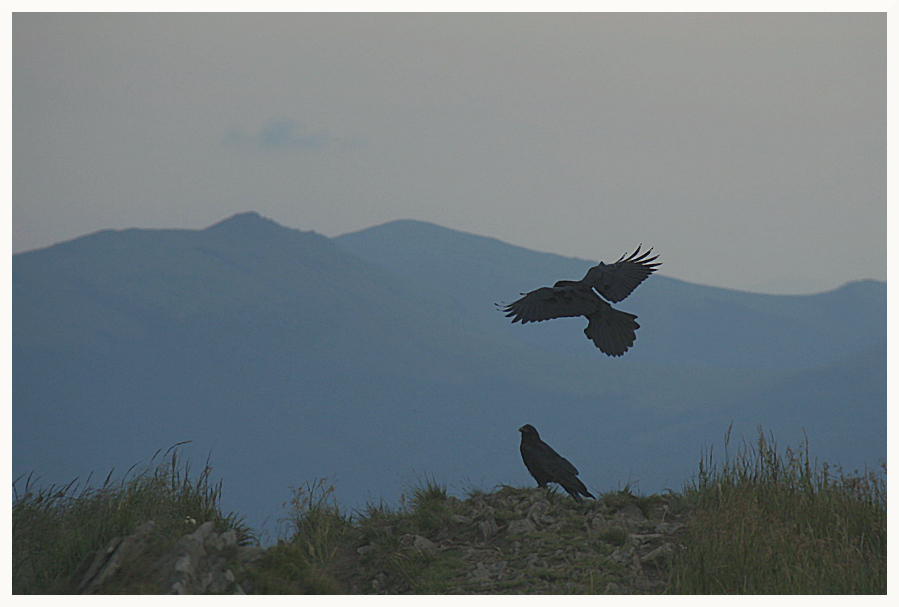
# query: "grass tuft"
[428,504]
[768,522]
[317,524]
[55,528]
[758,521]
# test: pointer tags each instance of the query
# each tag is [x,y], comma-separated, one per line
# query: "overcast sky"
[748,149]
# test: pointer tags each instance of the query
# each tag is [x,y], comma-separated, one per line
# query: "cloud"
[283,135]
[286,134]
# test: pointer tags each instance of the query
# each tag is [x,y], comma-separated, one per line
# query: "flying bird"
[547,466]
[611,330]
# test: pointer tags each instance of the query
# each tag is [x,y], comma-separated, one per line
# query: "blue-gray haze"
[750,148]
[377,359]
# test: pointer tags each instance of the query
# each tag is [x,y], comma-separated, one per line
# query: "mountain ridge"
[478,271]
[292,358]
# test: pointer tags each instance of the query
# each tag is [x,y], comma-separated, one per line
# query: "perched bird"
[611,330]
[547,466]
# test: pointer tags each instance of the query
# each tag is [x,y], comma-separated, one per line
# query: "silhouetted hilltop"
[377,358]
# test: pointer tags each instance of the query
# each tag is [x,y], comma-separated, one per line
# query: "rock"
[659,556]
[107,562]
[538,514]
[488,528]
[625,555]
[229,537]
[630,512]
[480,573]
[612,588]
[599,523]
[669,527]
[378,582]
[521,527]
[423,544]
[486,511]
[508,541]
[417,543]
[198,563]
[646,538]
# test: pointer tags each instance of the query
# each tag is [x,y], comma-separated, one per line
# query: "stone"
[624,555]
[196,564]
[658,556]
[423,544]
[598,523]
[481,573]
[521,527]
[488,528]
[630,512]
[229,538]
[107,562]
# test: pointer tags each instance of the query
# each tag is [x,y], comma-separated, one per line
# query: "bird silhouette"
[547,466]
[611,330]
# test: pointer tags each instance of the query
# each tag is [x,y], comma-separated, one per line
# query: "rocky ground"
[202,562]
[531,542]
[519,541]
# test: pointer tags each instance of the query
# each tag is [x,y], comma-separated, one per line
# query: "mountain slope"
[287,357]
[291,359]
[682,323]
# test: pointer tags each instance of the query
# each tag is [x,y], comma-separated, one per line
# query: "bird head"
[529,431]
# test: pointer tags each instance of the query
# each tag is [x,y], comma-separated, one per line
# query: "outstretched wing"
[546,303]
[617,280]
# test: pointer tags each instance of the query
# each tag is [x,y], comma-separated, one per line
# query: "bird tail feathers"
[611,330]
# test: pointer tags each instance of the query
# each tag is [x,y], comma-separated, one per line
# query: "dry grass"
[55,528]
[772,523]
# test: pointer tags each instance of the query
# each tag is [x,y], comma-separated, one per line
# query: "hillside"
[760,520]
[290,357]
[690,324]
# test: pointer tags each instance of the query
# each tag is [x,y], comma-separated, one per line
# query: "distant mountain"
[682,323]
[377,359]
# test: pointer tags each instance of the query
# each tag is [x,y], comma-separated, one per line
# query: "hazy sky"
[748,149]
